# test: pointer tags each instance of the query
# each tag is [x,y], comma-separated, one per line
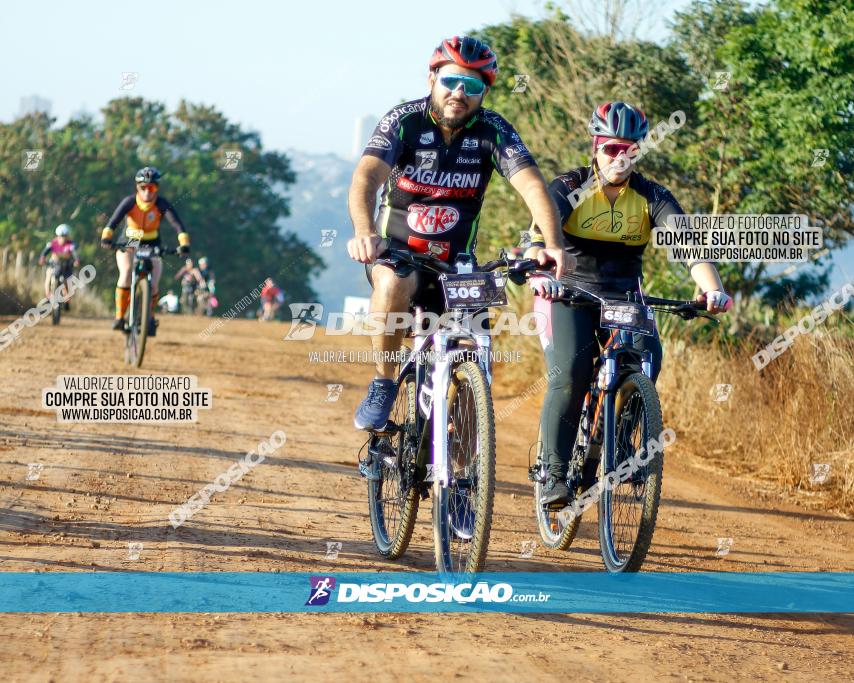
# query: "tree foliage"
[88,167]
[748,148]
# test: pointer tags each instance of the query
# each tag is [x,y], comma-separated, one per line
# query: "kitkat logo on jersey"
[441,250]
[432,220]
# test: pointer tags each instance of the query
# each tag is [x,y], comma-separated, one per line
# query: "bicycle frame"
[442,343]
[141,266]
[612,361]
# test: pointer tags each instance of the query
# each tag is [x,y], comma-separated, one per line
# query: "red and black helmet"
[468,52]
[618,120]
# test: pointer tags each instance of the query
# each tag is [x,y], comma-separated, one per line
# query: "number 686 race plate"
[474,290]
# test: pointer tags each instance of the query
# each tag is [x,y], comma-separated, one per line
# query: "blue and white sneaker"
[373,412]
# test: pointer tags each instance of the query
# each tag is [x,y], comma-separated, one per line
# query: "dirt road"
[102,487]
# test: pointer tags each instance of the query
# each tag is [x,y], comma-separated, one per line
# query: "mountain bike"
[139,310]
[440,437]
[57,281]
[189,299]
[620,415]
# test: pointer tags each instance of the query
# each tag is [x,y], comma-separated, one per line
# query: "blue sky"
[300,74]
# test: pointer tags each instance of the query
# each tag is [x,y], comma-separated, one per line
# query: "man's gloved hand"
[545,286]
[716,301]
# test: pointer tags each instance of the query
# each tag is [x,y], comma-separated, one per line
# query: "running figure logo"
[321,590]
[232,160]
[820,473]
[724,546]
[528,548]
[722,80]
[304,318]
[721,392]
[327,237]
[129,79]
[33,159]
[820,157]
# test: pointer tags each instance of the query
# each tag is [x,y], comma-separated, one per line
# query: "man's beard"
[449,121]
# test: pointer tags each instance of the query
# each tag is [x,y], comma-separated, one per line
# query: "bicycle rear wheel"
[393,498]
[557,527]
[138,328]
[462,511]
[627,513]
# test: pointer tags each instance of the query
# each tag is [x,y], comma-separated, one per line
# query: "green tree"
[233,215]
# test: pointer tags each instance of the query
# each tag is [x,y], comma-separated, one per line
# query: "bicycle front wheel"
[56,312]
[393,498]
[627,510]
[462,511]
[138,328]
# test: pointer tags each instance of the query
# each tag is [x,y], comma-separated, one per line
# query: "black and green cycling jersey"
[435,191]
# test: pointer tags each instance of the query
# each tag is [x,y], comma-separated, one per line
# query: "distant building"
[34,104]
[82,113]
[362,133]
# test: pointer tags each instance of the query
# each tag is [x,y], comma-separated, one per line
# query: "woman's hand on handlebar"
[716,301]
[364,249]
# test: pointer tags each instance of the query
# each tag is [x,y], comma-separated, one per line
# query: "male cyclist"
[143,212]
[207,274]
[191,279]
[434,157]
[208,291]
[271,299]
[62,250]
[607,231]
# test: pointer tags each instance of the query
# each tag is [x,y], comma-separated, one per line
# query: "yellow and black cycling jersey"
[608,241]
[143,218]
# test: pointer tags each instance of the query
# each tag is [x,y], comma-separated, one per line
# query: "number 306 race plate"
[628,316]
[474,290]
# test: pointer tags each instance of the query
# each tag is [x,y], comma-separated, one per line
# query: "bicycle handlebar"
[684,309]
[161,251]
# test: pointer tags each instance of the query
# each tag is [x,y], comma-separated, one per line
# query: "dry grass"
[778,422]
[20,293]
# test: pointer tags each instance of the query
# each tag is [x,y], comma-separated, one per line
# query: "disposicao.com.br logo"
[480,592]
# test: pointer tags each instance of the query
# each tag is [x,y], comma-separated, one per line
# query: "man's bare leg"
[391,294]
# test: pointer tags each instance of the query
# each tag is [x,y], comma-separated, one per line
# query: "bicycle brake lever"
[691,313]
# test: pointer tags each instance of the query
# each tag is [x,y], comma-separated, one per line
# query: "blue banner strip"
[574,592]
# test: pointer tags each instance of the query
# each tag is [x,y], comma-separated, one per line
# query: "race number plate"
[628,316]
[474,290]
